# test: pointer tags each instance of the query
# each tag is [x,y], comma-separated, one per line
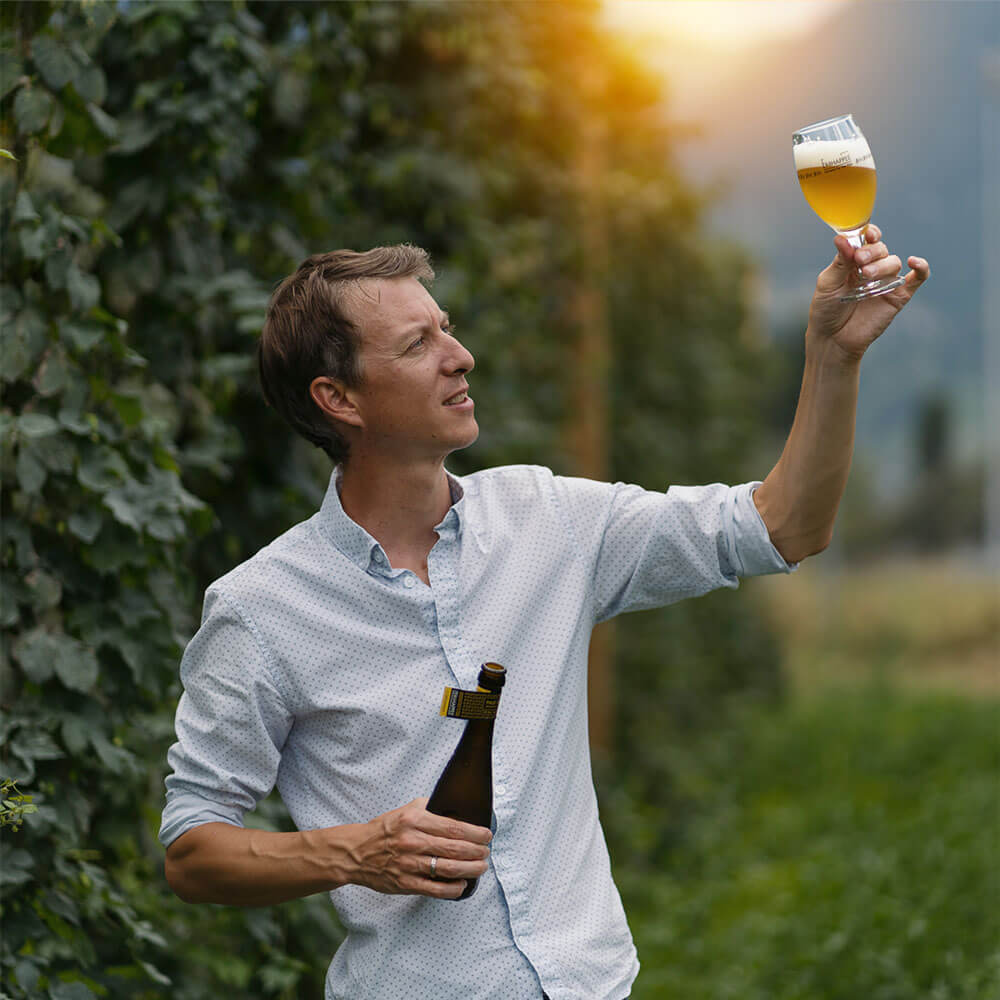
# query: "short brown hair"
[307,333]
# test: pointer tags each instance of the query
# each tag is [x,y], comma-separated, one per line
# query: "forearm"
[798,500]
[219,863]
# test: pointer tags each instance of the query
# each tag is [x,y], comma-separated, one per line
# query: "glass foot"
[873,288]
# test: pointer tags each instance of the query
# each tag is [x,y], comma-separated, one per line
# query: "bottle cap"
[492,676]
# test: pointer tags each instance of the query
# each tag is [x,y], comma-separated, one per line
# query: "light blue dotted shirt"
[319,668]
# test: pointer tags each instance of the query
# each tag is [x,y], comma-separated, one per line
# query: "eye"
[419,342]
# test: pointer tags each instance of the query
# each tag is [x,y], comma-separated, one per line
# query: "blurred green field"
[847,845]
[919,625]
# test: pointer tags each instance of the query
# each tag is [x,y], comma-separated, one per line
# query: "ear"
[335,400]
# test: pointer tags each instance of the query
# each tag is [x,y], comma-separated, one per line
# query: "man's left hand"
[854,326]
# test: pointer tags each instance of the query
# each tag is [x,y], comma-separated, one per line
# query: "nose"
[460,360]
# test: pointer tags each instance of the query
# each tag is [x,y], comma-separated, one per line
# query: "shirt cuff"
[186,810]
[750,547]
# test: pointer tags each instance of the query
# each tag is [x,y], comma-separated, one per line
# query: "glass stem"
[857,240]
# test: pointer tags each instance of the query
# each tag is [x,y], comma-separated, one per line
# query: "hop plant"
[14,805]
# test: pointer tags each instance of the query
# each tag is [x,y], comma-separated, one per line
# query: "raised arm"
[221,863]
[799,499]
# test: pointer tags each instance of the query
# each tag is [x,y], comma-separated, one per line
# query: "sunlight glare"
[729,24]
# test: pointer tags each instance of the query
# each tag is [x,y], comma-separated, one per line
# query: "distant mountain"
[912,73]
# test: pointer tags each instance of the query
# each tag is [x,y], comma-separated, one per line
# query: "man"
[320,661]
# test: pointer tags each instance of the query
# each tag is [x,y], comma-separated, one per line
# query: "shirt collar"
[361,547]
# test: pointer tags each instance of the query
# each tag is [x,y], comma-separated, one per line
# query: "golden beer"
[838,180]
[842,197]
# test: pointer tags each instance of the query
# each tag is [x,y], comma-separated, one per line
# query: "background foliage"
[173,161]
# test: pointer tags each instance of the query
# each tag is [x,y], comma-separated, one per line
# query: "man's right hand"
[221,863]
[393,852]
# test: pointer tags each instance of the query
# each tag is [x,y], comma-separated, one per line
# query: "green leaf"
[116,759]
[106,125]
[86,524]
[15,532]
[16,866]
[32,108]
[100,16]
[12,592]
[114,554]
[123,506]
[59,902]
[128,407]
[6,154]
[81,335]
[21,342]
[24,209]
[14,877]
[45,589]
[71,991]
[31,744]
[84,289]
[11,71]
[58,454]
[54,62]
[53,374]
[36,652]
[41,652]
[75,397]
[101,468]
[136,133]
[26,973]
[75,734]
[57,120]
[36,425]
[133,199]
[11,302]
[166,527]
[91,85]
[103,233]
[77,668]
[56,267]
[30,471]
[134,608]
[75,226]
[34,243]
[154,973]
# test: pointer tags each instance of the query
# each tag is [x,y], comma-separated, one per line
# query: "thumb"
[841,267]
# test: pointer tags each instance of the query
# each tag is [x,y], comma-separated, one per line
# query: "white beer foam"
[836,152]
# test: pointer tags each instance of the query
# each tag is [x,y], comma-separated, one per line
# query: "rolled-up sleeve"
[652,549]
[231,725]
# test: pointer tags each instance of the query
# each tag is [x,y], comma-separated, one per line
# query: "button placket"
[443,564]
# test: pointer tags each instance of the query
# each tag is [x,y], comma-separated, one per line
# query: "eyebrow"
[412,329]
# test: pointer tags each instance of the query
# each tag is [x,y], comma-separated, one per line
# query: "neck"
[399,504]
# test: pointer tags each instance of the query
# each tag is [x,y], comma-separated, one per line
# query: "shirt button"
[501,789]
[409,582]
[377,556]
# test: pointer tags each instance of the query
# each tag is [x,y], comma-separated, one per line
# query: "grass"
[847,846]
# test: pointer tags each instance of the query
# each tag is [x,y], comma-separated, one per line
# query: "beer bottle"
[465,789]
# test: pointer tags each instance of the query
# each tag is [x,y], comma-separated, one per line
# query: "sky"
[723,24]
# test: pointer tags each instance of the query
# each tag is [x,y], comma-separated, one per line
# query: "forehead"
[385,308]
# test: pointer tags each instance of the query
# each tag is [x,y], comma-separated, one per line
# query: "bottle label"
[458,704]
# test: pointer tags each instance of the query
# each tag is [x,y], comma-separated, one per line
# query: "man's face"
[411,401]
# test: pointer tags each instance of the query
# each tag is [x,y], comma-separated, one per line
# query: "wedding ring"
[434,867]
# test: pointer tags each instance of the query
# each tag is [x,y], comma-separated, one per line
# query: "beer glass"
[837,174]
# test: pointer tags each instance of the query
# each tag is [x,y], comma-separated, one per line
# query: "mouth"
[458,399]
